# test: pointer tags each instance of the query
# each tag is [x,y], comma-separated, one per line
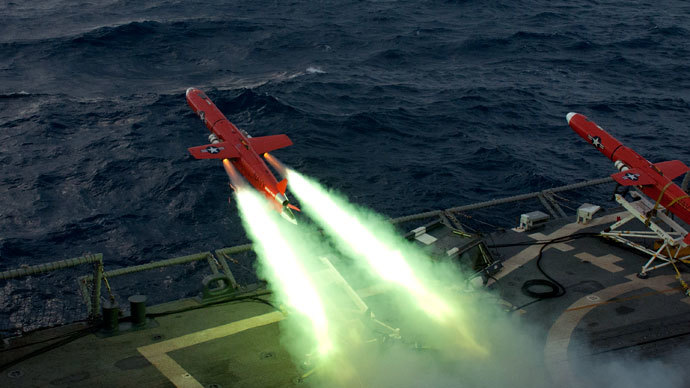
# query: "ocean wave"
[404,106]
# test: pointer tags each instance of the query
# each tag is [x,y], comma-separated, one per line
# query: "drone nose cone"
[569,116]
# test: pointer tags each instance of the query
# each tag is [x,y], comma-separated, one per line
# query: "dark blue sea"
[403,106]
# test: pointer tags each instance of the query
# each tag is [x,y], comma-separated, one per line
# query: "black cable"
[527,304]
[264,301]
[243,298]
[44,340]
[72,337]
[552,241]
[556,289]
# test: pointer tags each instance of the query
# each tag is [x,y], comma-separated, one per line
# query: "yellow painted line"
[606,262]
[531,252]
[617,300]
[173,371]
[157,355]
[560,333]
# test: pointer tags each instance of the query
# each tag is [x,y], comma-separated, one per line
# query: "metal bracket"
[548,194]
[641,209]
[547,206]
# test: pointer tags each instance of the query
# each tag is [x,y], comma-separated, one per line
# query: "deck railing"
[90,285]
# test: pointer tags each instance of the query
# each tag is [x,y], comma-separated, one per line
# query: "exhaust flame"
[235,177]
[273,161]
[287,275]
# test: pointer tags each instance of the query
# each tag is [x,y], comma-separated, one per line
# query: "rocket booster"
[608,145]
[654,179]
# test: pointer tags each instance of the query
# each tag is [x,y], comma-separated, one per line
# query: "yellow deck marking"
[558,339]
[157,353]
[606,262]
[173,371]
[618,300]
[529,253]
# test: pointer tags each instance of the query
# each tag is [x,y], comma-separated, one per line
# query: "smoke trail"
[387,255]
[445,346]
[286,273]
[293,260]
[435,343]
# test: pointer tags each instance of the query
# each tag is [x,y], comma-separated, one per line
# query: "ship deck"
[607,312]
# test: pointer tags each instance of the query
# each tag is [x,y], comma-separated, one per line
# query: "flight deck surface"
[607,312]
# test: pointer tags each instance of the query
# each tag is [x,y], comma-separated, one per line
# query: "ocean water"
[404,106]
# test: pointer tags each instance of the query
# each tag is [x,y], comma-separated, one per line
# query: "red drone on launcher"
[240,152]
[654,179]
